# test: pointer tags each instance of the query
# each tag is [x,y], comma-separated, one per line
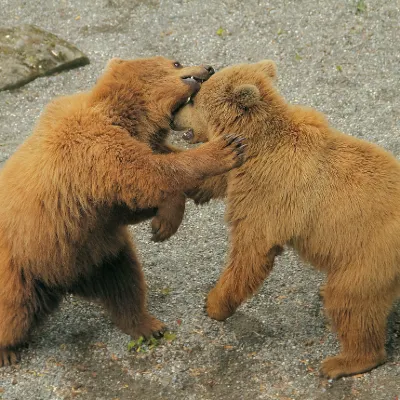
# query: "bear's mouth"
[194,82]
[191,79]
[195,85]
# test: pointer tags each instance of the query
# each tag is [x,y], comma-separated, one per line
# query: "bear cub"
[96,163]
[332,197]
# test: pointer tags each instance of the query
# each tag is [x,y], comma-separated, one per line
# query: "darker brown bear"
[334,198]
[90,169]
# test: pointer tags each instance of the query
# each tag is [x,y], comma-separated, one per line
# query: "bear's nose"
[209,69]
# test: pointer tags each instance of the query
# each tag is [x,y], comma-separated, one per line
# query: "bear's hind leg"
[119,284]
[15,315]
[359,316]
[23,303]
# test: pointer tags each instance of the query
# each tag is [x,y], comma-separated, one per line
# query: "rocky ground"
[341,57]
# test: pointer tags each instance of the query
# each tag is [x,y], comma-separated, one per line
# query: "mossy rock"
[28,52]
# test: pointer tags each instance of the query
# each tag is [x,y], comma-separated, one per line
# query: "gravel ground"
[341,57]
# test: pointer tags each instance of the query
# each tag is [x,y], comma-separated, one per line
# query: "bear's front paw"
[234,149]
[162,228]
[217,308]
[227,152]
[169,217]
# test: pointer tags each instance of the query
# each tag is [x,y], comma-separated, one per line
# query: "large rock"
[27,52]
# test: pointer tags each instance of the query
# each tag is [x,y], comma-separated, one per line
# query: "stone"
[28,52]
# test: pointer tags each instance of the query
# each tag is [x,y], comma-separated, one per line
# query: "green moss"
[361,7]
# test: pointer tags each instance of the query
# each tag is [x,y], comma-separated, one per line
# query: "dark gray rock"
[28,52]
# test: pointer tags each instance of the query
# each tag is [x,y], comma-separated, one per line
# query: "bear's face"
[149,92]
[229,99]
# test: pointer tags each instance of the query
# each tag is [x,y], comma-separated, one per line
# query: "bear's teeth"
[192,77]
[187,101]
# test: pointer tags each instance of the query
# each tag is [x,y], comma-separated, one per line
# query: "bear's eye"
[177,64]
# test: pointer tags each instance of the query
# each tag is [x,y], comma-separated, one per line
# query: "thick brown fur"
[333,197]
[89,169]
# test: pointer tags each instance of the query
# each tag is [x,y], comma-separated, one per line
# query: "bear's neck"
[126,109]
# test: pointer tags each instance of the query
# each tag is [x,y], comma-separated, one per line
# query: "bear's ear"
[268,67]
[113,62]
[246,95]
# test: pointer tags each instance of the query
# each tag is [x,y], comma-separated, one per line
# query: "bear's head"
[231,100]
[143,95]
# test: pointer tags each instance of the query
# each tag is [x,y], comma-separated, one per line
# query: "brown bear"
[332,197]
[89,169]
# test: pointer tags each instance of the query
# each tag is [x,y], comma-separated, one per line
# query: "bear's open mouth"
[189,78]
[195,85]
[193,81]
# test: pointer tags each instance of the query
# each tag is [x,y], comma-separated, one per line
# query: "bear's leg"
[141,179]
[23,304]
[250,262]
[359,316]
[214,187]
[168,218]
[15,323]
[119,284]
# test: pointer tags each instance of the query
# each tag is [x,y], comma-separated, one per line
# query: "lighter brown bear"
[89,169]
[332,197]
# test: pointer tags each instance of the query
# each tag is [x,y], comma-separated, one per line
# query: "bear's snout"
[209,69]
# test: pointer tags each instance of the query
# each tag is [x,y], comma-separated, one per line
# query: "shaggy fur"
[89,170]
[334,198]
